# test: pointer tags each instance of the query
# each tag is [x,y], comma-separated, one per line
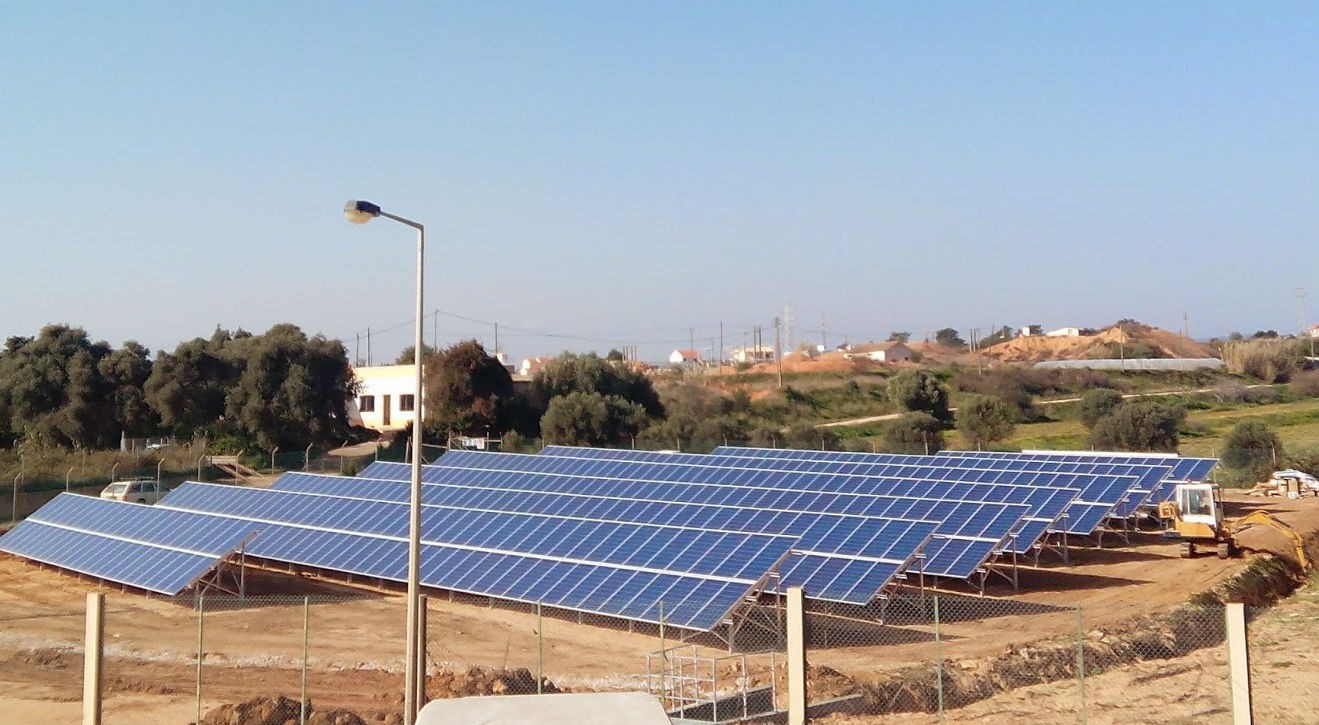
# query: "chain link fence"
[917,657]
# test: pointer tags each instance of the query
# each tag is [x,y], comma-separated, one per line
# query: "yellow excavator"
[1195,516]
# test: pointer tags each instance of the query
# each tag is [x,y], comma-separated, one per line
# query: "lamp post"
[361,212]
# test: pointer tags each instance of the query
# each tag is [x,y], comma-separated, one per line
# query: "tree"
[590,419]
[1145,425]
[948,337]
[53,391]
[983,420]
[614,355]
[914,433]
[125,372]
[1097,403]
[899,336]
[187,387]
[569,373]
[293,390]
[919,391]
[1002,334]
[1252,448]
[467,391]
[408,356]
[695,419]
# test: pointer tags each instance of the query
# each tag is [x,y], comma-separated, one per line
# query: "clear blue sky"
[624,173]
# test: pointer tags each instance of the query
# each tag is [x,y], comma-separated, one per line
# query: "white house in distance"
[1064,332]
[1314,330]
[532,365]
[753,354]
[684,357]
[885,352]
[386,400]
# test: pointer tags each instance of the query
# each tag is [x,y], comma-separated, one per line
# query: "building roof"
[689,354]
[878,346]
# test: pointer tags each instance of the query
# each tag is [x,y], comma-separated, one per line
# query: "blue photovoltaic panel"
[1145,478]
[735,555]
[160,551]
[986,524]
[1047,503]
[1183,469]
[692,601]
[1099,497]
[883,546]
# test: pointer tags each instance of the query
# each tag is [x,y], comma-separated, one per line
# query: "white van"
[136,491]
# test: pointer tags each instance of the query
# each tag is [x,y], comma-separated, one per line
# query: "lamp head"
[360,212]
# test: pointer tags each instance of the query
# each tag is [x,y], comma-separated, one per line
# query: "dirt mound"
[278,710]
[1105,343]
[447,683]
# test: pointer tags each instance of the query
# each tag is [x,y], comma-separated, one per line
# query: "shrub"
[1144,425]
[983,420]
[914,433]
[1252,449]
[1097,404]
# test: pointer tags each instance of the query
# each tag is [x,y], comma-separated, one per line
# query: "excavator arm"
[1264,518]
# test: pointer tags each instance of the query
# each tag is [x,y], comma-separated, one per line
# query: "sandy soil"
[355,637]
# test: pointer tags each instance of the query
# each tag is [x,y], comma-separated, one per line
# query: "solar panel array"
[1144,482]
[965,533]
[1182,469]
[847,558]
[625,570]
[160,551]
[1048,495]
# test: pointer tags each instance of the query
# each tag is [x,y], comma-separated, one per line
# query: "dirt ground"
[355,637]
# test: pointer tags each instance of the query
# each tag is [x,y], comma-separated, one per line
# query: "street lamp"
[361,212]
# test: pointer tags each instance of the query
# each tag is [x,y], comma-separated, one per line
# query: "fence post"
[306,457]
[1080,658]
[938,656]
[92,658]
[540,650]
[306,623]
[422,646]
[664,658]
[1238,657]
[796,658]
[201,624]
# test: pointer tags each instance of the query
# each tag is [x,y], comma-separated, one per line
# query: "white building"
[1314,331]
[532,365]
[684,357]
[1064,332]
[885,352]
[386,399]
[753,354]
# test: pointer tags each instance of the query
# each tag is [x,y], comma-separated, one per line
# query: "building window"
[406,403]
[366,404]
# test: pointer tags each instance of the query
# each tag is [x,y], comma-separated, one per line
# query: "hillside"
[1160,343]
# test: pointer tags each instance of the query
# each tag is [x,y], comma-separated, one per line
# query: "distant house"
[1064,332]
[1314,330]
[684,357]
[753,354]
[386,399]
[885,352]
[532,365]
[1031,330]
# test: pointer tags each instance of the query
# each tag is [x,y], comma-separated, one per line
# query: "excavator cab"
[1195,516]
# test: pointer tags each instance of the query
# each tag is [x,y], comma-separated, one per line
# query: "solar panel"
[1047,504]
[699,575]
[1146,477]
[160,551]
[1183,469]
[987,526]
[883,547]
[1100,496]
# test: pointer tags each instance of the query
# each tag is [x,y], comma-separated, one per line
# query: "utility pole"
[435,330]
[824,332]
[1186,325]
[691,339]
[357,353]
[721,345]
[1305,318]
[496,339]
[368,347]
[778,351]
[787,324]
